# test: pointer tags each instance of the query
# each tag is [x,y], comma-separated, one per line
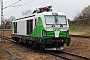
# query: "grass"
[80,29]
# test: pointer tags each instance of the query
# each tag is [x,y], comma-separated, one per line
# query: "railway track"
[68,56]
[81,36]
[61,54]
[13,56]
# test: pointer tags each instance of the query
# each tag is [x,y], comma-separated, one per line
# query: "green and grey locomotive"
[44,28]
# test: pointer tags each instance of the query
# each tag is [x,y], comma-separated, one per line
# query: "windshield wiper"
[56,22]
[61,25]
[53,25]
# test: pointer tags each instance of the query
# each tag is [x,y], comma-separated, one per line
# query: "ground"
[4,55]
[24,52]
[80,46]
[79,29]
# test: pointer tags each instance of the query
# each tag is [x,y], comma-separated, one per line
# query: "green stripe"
[38,29]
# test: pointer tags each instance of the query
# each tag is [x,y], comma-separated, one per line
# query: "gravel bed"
[4,55]
[27,53]
[13,56]
[79,46]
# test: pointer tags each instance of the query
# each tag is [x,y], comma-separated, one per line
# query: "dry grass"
[79,29]
[7,33]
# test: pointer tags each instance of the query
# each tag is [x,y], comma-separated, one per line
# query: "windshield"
[50,19]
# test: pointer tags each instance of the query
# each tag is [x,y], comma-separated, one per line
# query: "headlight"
[44,33]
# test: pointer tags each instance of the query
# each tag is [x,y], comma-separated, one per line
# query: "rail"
[81,36]
[61,54]
[68,56]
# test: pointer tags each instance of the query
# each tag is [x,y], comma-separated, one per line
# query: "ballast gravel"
[26,53]
[79,46]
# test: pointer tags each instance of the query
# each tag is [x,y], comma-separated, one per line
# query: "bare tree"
[85,13]
[7,22]
[27,12]
[11,19]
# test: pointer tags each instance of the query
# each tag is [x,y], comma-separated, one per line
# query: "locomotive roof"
[43,13]
[50,13]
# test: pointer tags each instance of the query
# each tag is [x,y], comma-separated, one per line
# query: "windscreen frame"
[53,22]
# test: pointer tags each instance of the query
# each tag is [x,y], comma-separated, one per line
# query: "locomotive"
[44,28]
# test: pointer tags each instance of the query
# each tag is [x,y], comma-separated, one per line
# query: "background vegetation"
[84,14]
[79,29]
[81,23]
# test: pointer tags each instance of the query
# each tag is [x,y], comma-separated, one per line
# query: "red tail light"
[61,40]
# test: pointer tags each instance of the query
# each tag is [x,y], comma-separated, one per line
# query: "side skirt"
[34,41]
[37,42]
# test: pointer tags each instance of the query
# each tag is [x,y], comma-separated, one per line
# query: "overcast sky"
[69,7]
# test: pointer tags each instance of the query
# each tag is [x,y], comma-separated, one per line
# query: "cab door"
[29,26]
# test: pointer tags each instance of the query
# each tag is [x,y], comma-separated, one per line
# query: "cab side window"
[15,27]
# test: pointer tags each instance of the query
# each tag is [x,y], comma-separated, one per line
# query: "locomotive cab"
[56,32]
